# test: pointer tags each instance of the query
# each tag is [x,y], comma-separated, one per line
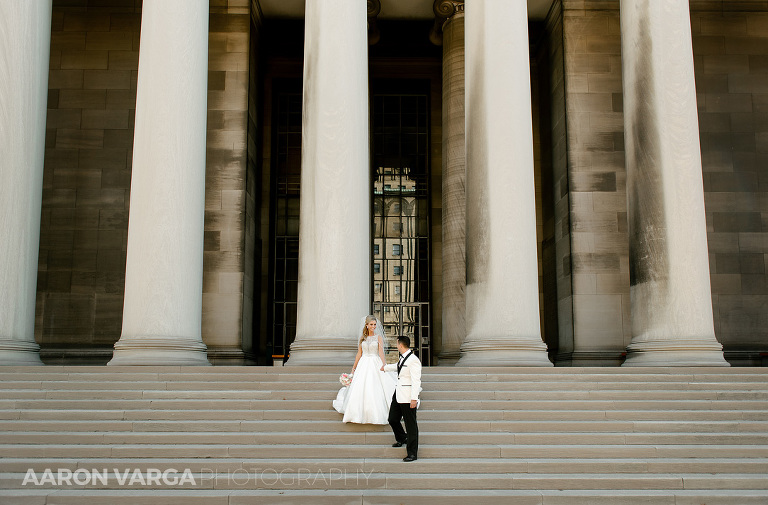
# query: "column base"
[158,351]
[677,353]
[448,358]
[320,351]
[504,352]
[15,352]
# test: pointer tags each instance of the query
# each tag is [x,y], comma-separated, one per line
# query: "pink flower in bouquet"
[345,379]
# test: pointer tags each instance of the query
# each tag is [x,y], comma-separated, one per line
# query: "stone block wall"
[589,184]
[563,345]
[87,175]
[226,194]
[86,189]
[542,167]
[597,184]
[254,245]
[730,44]
[731,59]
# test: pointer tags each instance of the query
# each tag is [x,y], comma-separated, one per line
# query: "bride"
[366,400]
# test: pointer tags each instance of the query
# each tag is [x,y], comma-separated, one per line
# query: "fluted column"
[334,230]
[668,259]
[25,41]
[502,266]
[454,167]
[164,269]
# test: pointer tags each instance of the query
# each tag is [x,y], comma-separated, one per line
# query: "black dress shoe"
[409,458]
[398,444]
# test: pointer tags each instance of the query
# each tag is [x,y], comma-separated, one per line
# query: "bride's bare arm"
[381,351]
[357,358]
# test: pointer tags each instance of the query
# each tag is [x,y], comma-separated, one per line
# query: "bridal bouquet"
[345,379]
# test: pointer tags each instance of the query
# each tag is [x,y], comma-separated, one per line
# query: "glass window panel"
[277,336]
[292,248]
[291,290]
[410,120]
[279,269]
[292,227]
[410,103]
[292,269]
[292,207]
[279,291]
[400,178]
[390,121]
[278,313]
[390,142]
[410,144]
[390,103]
[290,314]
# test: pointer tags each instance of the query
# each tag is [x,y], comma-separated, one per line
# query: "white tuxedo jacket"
[409,380]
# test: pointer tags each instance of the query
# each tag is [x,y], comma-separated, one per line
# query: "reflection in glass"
[400,175]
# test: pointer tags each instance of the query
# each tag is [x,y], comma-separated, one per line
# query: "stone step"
[152,401]
[488,435]
[394,465]
[298,370]
[381,437]
[384,497]
[425,414]
[138,392]
[242,450]
[332,385]
[268,479]
[439,382]
[295,426]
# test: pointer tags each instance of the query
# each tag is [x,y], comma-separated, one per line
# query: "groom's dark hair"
[403,339]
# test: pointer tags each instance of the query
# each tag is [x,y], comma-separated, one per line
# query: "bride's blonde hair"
[368,319]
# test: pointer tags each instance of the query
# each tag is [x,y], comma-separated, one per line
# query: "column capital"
[373,8]
[445,11]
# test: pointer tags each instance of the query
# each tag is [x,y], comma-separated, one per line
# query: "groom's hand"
[414,403]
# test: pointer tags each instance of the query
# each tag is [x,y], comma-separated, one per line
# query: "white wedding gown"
[366,400]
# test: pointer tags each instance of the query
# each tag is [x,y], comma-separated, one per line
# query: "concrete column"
[334,232]
[454,167]
[164,269]
[502,267]
[25,42]
[668,259]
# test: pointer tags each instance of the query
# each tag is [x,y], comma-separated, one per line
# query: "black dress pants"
[410,436]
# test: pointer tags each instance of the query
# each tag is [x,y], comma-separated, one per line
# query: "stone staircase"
[257,435]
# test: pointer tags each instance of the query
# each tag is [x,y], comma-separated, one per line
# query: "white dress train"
[366,400]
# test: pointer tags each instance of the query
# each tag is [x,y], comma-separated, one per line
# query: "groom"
[406,398]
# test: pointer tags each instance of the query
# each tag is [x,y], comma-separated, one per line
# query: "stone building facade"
[402,129]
